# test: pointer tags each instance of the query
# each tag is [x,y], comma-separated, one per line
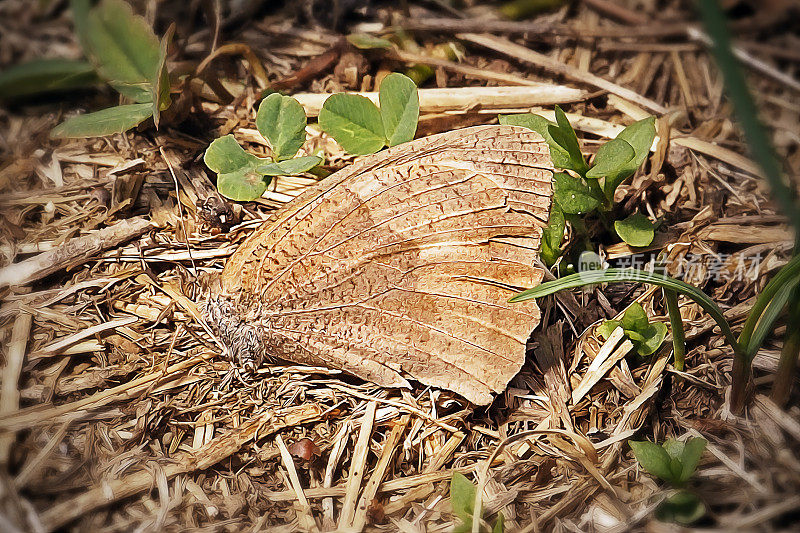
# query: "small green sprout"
[365,41]
[675,463]
[646,336]
[582,189]
[462,499]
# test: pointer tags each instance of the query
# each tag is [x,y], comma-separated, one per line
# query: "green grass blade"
[618,275]
[778,288]
[765,325]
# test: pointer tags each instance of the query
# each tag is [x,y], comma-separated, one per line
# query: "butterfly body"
[400,266]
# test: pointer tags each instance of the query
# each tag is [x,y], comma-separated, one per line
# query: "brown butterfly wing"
[401,265]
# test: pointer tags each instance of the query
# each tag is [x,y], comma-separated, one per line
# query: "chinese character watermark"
[698,268]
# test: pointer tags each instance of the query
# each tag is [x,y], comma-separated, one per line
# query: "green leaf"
[653,337]
[290,167]
[573,195]
[500,524]
[653,458]
[611,158]
[553,235]
[354,121]
[365,41]
[682,507]
[636,230]
[226,155]
[540,125]
[635,336]
[238,177]
[635,318]
[673,447]
[620,275]
[160,87]
[675,468]
[690,457]
[565,137]
[80,17]
[647,336]
[607,328]
[462,497]
[105,122]
[399,108]
[282,121]
[122,47]
[640,136]
[45,76]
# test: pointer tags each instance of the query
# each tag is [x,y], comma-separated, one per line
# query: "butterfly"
[399,266]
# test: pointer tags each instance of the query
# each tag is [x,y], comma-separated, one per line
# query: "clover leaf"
[399,108]
[243,176]
[357,124]
[290,166]
[238,172]
[354,122]
[282,121]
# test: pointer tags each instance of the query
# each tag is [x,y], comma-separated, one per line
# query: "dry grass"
[118,412]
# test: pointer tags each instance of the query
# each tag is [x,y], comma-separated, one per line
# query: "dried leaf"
[400,266]
[304,449]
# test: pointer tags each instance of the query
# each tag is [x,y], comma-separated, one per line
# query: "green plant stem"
[791,349]
[745,109]
[676,324]
[740,380]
